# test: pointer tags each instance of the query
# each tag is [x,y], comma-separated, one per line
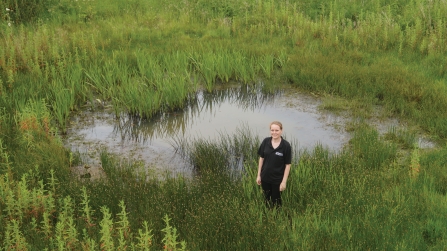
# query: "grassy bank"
[146,57]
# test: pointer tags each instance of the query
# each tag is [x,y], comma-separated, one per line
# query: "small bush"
[23,11]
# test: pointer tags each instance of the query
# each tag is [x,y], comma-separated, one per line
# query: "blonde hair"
[276,123]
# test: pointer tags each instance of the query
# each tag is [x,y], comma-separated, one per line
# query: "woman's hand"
[258,180]
[282,186]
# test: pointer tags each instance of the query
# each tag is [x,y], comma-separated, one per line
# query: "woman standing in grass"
[274,165]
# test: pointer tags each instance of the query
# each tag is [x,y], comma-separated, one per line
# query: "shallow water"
[209,115]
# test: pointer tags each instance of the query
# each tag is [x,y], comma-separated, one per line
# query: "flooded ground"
[208,116]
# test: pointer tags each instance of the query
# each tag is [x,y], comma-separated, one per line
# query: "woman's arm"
[258,178]
[282,186]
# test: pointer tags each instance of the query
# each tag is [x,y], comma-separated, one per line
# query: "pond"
[207,116]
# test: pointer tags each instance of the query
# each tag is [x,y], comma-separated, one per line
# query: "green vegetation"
[146,57]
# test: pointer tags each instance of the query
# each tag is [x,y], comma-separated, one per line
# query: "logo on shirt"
[279,154]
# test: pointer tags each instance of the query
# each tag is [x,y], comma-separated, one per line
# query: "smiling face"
[275,130]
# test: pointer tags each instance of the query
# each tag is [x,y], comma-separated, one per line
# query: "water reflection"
[207,116]
[176,124]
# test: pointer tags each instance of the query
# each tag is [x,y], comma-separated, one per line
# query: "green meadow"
[365,59]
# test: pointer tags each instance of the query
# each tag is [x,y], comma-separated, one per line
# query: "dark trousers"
[272,194]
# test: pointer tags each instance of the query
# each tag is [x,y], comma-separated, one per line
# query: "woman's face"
[275,131]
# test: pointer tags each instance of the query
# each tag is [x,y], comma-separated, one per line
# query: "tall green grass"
[411,32]
[149,57]
[223,41]
[38,219]
[330,196]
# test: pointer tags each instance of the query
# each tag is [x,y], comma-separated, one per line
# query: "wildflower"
[7,9]
[9,24]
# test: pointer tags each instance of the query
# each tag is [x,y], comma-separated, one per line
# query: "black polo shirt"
[275,160]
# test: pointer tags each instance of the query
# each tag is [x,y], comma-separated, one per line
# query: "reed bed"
[213,45]
[231,41]
[149,57]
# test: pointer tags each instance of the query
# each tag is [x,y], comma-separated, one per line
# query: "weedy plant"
[33,213]
[170,240]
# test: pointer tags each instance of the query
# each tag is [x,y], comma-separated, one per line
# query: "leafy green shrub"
[24,11]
